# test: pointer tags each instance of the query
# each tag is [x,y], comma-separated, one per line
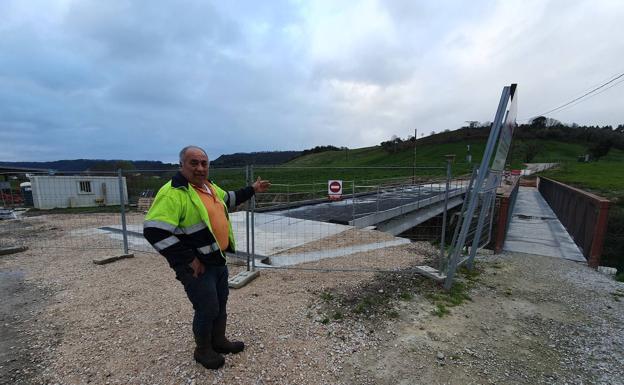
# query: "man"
[189,225]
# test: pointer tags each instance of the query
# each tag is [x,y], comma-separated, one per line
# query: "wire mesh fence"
[64,210]
[370,224]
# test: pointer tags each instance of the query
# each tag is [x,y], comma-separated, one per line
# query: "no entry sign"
[334,189]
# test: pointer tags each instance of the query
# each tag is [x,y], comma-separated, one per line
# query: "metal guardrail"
[507,202]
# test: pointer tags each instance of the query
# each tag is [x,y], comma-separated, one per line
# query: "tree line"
[597,139]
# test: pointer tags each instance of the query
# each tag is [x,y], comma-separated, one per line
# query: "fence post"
[247,183]
[253,222]
[461,218]
[353,202]
[122,205]
[446,196]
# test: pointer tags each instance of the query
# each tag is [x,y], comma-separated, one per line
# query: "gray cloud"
[137,80]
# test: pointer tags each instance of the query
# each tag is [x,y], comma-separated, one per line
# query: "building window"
[85,187]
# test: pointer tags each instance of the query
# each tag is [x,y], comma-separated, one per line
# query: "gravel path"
[532,320]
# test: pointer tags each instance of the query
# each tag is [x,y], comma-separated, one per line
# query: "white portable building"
[76,191]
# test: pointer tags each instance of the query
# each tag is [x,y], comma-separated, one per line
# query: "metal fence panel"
[63,210]
[372,226]
[298,226]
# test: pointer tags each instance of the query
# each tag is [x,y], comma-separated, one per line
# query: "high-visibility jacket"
[178,227]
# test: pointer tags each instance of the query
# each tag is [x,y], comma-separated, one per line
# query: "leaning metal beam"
[473,199]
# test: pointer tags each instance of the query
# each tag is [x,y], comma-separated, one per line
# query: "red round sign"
[334,187]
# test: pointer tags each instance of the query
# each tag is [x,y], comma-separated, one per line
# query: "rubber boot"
[219,342]
[205,355]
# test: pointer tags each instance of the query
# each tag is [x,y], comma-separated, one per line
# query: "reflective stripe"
[160,225]
[209,249]
[232,196]
[193,229]
[169,241]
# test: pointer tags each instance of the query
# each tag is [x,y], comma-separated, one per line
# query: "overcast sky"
[141,79]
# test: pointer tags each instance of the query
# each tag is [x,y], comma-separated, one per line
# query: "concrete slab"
[277,233]
[293,259]
[274,233]
[535,229]
[243,278]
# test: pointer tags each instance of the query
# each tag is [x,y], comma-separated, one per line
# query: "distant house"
[50,192]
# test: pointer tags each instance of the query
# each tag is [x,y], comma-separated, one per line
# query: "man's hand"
[261,186]
[198,267]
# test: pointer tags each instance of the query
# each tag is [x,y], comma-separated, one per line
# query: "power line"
[592,95]
[585,96]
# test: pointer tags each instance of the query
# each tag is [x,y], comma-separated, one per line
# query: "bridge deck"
[535,229]
[363,212]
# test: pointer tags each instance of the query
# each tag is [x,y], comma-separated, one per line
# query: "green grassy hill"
[432,154]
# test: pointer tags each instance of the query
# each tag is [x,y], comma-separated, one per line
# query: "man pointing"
[189,225]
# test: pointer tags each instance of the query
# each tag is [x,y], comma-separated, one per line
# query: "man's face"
[195,166]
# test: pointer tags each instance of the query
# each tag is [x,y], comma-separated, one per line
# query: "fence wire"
[66,210]
[385,219]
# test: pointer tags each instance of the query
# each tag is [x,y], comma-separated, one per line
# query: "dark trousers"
[208,294]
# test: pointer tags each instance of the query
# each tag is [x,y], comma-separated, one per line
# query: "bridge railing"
[583,214]
[506,203]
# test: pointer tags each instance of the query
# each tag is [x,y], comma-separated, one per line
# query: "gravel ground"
[531,320]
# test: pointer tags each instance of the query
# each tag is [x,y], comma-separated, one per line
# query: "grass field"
[605,177]
[434,155]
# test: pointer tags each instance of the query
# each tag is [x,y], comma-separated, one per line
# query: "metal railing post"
[253,222]
[444,214]
[247,230]
[353,202]
[462,211]
[122,205]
